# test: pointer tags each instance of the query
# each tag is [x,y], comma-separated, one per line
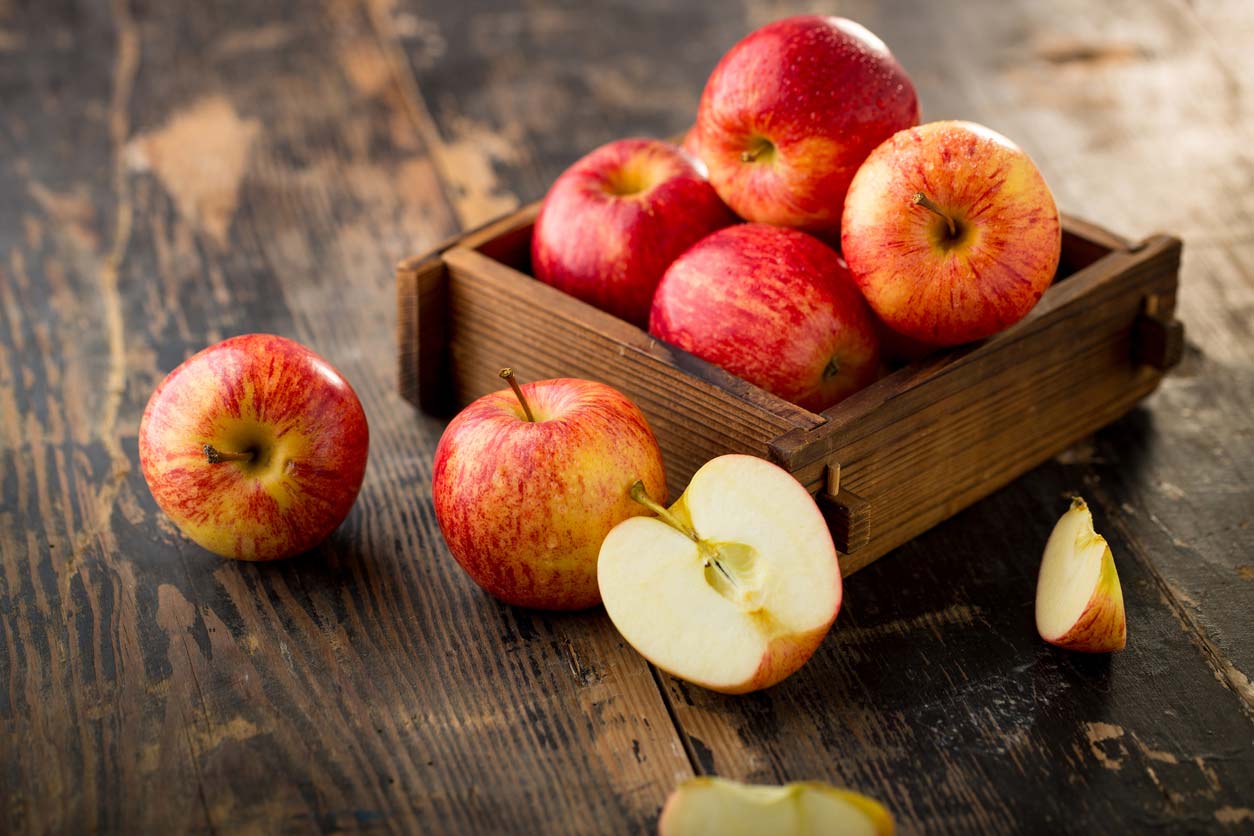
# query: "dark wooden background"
[172,173]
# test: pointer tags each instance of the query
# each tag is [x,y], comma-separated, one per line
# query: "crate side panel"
[953,441]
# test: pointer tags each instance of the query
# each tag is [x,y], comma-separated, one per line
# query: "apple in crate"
[255,447]
[612,223]
[706,805]
[776,307]
[791,111]
[951,233]
[1079,603]
[527,484]
[734,586]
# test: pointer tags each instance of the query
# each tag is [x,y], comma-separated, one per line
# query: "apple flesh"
[612,223]
[951,233]
[792,110]
[705,805]
[527,485]
[776,307]
[255,447]
[734,586]
[1079,603]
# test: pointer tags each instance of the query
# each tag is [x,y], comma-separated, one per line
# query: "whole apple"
[776,307]
[951,233]
[255,447]
[791,111]
[527,484]
[614,221]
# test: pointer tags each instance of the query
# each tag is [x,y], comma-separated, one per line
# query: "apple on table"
[791,111]
[709,805]
[612,223]
[255,447]
[1079,602]
[951,233]
[527,483]
[774,306]
[734,586]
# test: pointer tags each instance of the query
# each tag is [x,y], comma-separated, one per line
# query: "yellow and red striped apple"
[776,307]
[951,233]
[792,110]
[614,221]
[527,484]
[255,447]
[731,588]
[707,805]
[1079,602]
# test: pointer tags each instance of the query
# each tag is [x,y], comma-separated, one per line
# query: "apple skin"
[776,307]
[1103,627]
[614,221]
[823,92]
[921,282]
[524,505]
[271,395]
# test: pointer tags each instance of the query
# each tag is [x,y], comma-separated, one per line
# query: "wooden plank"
[169,178]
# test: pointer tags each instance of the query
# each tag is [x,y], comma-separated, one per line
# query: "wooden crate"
[887,463]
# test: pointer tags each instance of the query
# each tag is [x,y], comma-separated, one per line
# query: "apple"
[951,233]
[705,805]
[731,588]
[791,111]
[255,447]
[612,223]
[1079,603]
[527,484]
[776,307]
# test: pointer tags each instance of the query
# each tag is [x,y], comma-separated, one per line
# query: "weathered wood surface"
[171,173]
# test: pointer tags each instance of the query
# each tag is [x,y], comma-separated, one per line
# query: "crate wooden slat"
[886,464]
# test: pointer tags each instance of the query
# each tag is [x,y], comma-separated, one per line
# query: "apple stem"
[751,154]
[641,495]
[508,374]
[214,455]
[926,202]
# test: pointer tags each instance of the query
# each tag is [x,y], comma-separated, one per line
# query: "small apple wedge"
[1079,603]
[731,588]
[806,808]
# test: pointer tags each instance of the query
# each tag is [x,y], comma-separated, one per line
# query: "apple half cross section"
[1079,603]
[731,588]
[806,808]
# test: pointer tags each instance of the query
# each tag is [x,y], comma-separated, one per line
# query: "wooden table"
[172,173]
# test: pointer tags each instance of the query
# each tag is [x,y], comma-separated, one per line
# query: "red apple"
[255,447]
[616,219]
[776,307]
[791,111]
[951,233]
[527,484]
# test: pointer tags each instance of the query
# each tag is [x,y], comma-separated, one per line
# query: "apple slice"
[1079,603]
[734,586]
[806,808]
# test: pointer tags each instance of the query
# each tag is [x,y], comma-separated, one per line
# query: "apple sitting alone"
[951,233]
[734,586]
[706,805]
[255,447]
[792,110]
[614,221]
[776,307]
[1079,602]
[527,484]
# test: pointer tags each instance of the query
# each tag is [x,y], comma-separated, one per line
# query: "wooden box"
[885,464]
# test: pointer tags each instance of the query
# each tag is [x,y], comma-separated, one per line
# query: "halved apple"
[734,586]
[806,808]
[1079,603]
